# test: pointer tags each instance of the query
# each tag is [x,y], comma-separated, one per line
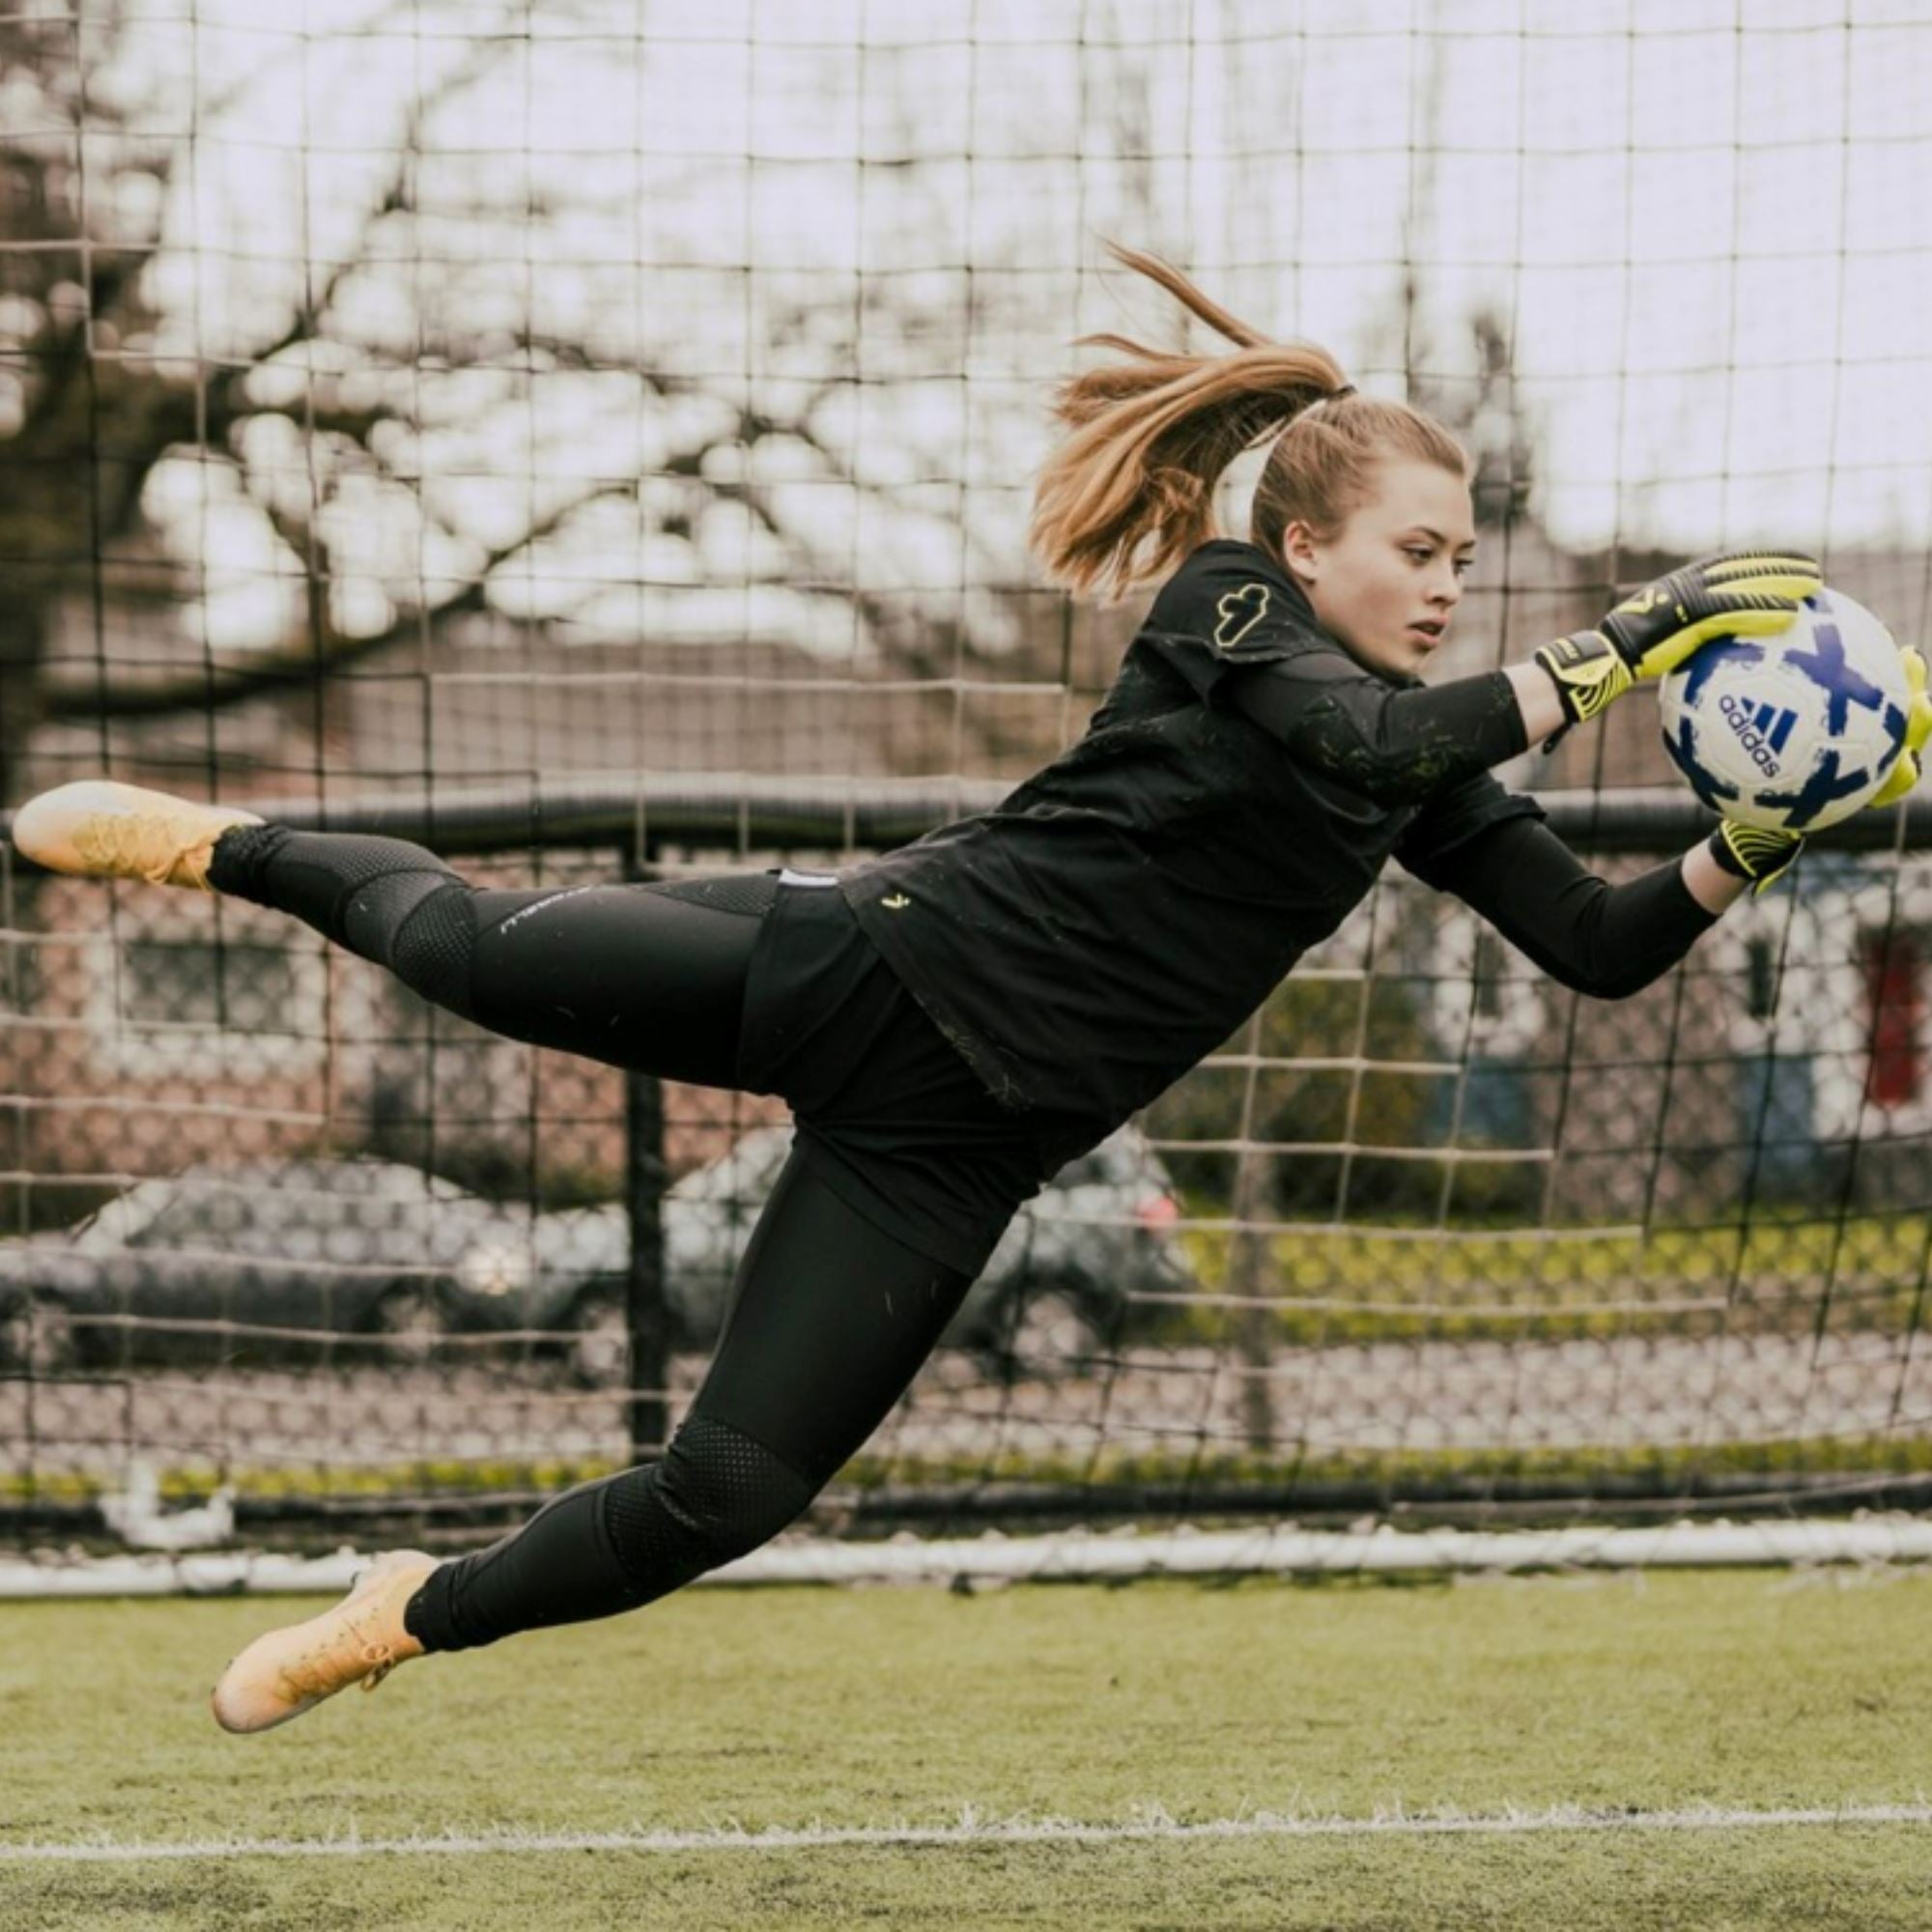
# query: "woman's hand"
[1733,594]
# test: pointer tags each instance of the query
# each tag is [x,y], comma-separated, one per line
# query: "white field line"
[1148,1822]
[1078,1555]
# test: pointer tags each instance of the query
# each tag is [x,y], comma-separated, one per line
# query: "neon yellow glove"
[1732,594]
[1918,729]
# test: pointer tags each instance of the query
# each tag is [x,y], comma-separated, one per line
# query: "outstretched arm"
[1400,747]
[1707,882]
[1607,941]
[1396,746]
[1393,746]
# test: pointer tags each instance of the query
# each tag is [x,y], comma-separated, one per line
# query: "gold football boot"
[358,1640]
[98,829]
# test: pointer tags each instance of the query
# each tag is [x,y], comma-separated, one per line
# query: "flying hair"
[1130,493]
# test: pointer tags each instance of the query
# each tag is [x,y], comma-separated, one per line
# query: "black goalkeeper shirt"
[1117,916]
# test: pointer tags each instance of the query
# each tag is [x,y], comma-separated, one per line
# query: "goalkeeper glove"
[1918,729]
[1742,595]
[1752,852]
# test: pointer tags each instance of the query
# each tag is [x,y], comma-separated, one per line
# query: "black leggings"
[831,1315]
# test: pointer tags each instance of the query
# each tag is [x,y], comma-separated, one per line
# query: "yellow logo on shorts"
[897,903]
[1239,612]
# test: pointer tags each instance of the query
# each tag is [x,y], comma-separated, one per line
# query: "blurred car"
[1096,1239]
[376,1259]
[257,1260]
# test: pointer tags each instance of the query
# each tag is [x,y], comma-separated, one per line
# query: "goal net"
[596,439]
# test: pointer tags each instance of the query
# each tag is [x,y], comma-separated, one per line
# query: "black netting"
[472,544]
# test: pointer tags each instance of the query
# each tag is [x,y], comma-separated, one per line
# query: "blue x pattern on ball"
[1825,664]
[1824,785]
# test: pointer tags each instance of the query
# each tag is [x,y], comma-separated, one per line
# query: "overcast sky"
[1707,224]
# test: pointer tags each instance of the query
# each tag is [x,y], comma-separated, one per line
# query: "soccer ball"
[1795,732]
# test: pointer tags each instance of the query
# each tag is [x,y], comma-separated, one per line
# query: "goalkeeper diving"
[952,1021]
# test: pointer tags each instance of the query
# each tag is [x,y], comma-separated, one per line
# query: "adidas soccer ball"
[1792,732]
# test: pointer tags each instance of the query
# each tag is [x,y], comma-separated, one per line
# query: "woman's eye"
[1420,555]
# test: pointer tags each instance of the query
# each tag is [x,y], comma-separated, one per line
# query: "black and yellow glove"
[1753,853]
[1734,594]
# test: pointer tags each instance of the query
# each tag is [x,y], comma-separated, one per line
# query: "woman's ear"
[1301,553]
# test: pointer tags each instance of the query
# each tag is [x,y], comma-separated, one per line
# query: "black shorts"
[899,1126]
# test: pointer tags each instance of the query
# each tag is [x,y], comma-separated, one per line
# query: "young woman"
[952,1021]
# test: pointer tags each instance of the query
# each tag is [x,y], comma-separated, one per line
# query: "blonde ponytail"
[1131,492]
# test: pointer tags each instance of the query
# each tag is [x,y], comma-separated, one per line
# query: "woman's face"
[1387,583]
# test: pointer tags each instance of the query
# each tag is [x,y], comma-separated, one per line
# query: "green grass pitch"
[1506,1701]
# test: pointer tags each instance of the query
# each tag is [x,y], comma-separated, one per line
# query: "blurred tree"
[411,426]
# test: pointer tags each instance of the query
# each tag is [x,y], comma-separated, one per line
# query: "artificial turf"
[756,1707]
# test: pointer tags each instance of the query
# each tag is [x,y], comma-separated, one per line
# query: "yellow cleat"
[98,829]
[359,1641]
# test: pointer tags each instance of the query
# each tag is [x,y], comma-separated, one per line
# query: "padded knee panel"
[715,1496]
[431,947]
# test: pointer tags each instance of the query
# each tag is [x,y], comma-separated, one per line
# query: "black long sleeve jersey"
[1118,915]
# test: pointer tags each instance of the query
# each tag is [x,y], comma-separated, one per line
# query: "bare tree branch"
[299,662]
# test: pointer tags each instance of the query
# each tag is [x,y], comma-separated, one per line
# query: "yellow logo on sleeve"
[1239,612]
